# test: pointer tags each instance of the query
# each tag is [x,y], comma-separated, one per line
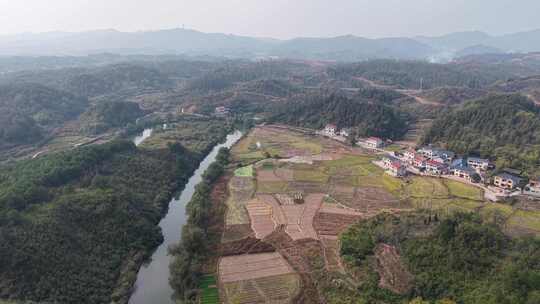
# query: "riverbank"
[152,285]
[196,137]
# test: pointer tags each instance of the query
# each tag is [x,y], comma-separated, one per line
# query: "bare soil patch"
[369,199]
[260,214]
[296,218]
[301,255]
[248,245]
[334,223]
[394,275]
[252,266]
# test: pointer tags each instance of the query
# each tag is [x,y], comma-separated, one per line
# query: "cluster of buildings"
[441,162]
[332,131]
[222,111]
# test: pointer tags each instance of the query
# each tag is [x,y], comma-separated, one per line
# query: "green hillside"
[503,127]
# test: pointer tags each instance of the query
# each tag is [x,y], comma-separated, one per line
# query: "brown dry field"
[368,200]
[280,289]
[252,266]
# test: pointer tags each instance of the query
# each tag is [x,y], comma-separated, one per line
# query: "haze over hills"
[192,42]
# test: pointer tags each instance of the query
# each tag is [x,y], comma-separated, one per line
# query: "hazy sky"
[274,18]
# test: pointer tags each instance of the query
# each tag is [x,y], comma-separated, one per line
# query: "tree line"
[192,252]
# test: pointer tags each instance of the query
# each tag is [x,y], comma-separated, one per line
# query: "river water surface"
[152,284]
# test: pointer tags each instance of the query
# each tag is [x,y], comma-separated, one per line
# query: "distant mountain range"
[195,43]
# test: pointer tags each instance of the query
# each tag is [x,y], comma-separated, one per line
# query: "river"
[152,284]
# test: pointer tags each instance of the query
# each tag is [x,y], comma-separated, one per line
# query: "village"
[498,184]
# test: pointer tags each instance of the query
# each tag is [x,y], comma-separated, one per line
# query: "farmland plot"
[258,278]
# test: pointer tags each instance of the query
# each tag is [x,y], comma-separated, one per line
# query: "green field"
[246,171]
[463,190]
[209,290]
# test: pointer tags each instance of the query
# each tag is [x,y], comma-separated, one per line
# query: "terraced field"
[296,206]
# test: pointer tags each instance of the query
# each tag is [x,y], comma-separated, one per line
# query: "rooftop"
[515,179]
[463,169]
[478,160]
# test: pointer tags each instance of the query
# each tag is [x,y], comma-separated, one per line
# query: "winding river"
[152,284]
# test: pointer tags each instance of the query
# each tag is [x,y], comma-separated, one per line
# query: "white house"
[463,172]
[506,181]
[222,111]
[330,130]
[397,169]
[409,155]
[374,143]
[419,161]
[436,167]
[478,163]
[533,188]
[345,132]
[439,154]
[394,166]
[428,152]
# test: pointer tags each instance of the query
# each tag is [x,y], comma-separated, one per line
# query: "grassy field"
[315,176]
[246,171]
[263,142]
[526,219]
[426,187]
[272,187]
[239,195]
[463,190]
[209,290]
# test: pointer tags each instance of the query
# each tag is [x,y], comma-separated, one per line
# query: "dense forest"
[452,95]
[109,114]
[459,259]
[417,74]
[30,111]
[368,118]
[502,127]
[75,226]
[96,81]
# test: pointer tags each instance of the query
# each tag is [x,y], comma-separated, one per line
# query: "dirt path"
[374,84]
[410,93]
[415,94]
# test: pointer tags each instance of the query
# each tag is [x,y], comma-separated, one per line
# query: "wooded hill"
[75,226]
[458,259]
[417,74]
[502,127]
[109,114]
[29,111]
[317,110]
